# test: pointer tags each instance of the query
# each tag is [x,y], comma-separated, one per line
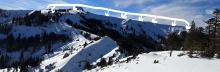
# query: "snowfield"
[145,63]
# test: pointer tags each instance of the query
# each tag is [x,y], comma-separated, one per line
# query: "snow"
[104,48]
[124,25]
[144,63]
[97,49]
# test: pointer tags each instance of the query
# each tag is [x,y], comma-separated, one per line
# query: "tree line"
[204,42]
[17,43]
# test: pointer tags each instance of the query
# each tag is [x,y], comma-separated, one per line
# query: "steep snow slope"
[145,63]
[122,25]
[144,36]
[24,32]
[76,58]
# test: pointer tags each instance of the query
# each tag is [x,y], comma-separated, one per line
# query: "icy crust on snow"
[145,63]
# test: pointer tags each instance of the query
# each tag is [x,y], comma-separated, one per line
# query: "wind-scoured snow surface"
[145,63]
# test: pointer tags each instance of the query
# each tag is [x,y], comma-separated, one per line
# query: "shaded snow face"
[127,25]
[144,36]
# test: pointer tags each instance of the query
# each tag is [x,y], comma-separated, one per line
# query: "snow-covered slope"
[145,63]
[143,35]
[124,26]
[24,35]
[72,54]
[77,55]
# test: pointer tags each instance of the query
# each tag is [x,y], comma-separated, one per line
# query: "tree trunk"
[171,50]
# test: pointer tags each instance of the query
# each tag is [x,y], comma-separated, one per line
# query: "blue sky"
[198,10]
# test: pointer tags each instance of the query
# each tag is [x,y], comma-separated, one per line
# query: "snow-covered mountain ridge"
[68,41]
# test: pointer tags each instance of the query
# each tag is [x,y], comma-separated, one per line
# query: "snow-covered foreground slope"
[145,63]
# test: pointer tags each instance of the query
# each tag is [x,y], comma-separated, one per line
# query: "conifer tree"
[195,40]
[173,41]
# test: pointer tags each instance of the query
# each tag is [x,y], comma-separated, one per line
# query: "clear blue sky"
[198,10]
